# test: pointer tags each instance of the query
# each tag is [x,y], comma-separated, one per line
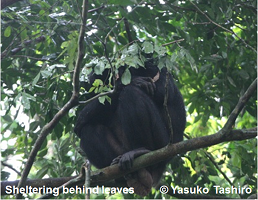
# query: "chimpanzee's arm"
[94,112]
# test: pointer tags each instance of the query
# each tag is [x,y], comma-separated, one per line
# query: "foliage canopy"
[209,46]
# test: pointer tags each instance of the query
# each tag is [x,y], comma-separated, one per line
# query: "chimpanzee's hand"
[145,83]
[125,161]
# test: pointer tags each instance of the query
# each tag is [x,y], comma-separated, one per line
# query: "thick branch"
[103,176]
[81,51]
[169,152]
[127,29]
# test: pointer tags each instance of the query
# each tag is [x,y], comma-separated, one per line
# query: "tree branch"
[97,96]
[10,167]
[218,168]
[45,131]
[120,20]
[241,103]
[21,46]
[127,29]
[176,41]
[169,152]
[70,104]
[81,50]
[225,29]
[102,176]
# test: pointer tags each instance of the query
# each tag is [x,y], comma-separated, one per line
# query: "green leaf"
[97,83]
[25,101]
[42,153]
[99,68]
[190,59]
[160,50]
[5,175]
[34,125]
[243,74]
[42,172]
[147,47]
[210,12]
[58,130]
[169,64]
[108,99]
[45,73]
[173,57]
[7,118]
[91,89]
[132,61]
[224,54]
[51,56]
[162,63]
[231,81]
[133,49]
[35,80]
[126,77]
[7,31]
[65,44]
[229,12]
[102,100]
[57,66]
[139,61]
[30,97]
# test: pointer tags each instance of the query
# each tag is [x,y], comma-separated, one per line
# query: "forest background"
[49,47]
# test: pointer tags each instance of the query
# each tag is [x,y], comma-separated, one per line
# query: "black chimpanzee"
[133,124]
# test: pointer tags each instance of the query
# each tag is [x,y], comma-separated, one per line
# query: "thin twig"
[11,167]
[97,96]
[32,58]
[241,103]
[21,46]
[218,168]
[214,163]
[96,9]
[225,29]
[176,41]
[121,21]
